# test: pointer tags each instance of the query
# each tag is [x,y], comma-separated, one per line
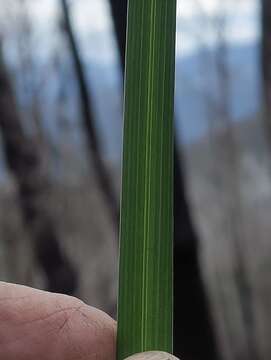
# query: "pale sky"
[91,18]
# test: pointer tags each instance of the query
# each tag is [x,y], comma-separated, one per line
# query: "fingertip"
[36,318]
[94,332]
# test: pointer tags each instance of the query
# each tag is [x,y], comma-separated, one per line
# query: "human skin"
[36,324]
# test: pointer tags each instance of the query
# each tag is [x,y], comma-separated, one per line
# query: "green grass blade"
[145,281]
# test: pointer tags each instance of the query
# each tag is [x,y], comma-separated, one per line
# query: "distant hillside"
[197,91]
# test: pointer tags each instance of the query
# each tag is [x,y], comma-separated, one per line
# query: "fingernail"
[152,355]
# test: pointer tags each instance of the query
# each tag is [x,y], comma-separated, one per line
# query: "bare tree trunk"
[103,177]
[24,160]
[266,48]
[234,211]
[194,336]
[266,62]
[193,332]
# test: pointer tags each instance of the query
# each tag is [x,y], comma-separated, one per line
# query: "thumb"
[152,355]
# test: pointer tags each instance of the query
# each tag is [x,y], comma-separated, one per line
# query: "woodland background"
[61,75]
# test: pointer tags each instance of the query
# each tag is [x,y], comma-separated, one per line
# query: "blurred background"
[61,76]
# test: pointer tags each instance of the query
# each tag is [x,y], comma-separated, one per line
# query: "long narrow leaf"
[145,282]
